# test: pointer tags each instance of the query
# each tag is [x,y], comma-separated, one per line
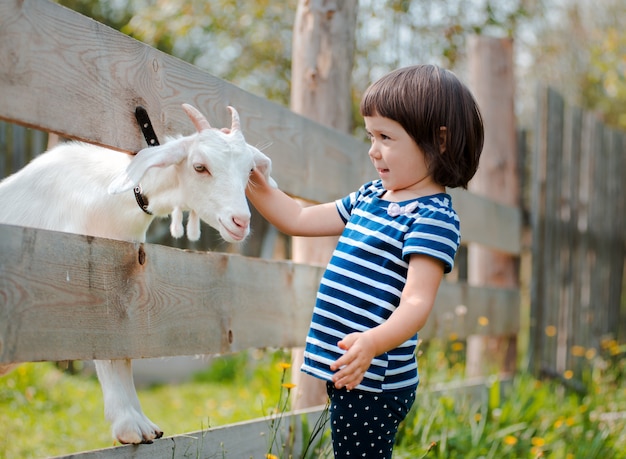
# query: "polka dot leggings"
[364,424]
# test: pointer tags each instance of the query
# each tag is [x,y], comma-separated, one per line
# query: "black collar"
[142,201]
[141,115]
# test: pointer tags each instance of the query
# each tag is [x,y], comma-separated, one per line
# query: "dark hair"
[422,99]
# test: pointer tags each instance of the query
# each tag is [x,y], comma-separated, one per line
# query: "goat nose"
[241,221]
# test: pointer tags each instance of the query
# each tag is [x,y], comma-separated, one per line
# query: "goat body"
[84,189]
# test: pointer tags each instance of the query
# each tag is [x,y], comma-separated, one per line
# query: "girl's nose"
[373,152]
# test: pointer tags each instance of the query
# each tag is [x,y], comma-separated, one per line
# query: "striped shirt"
[365,277]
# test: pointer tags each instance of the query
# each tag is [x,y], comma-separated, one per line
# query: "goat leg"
[121,404]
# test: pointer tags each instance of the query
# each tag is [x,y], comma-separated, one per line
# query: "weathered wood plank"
[65,296]
[89,88]
[242,440]
[488,223]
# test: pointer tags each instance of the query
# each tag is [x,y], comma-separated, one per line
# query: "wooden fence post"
[492,82]
[323,54]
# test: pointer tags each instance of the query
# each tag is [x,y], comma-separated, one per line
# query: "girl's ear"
[443,134]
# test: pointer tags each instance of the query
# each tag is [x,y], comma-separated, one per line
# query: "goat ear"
[263,164]
[164,155]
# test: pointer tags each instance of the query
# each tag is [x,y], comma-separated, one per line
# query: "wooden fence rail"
[146,300]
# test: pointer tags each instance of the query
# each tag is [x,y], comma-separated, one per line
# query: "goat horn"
[235,124]
[197,118]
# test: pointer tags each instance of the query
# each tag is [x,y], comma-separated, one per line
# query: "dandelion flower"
[551,330]
[483,321]
[568,374]
[537,441]
[457,346]
[288,386]
[590,354]
[510,440]
[578,351]
[558,423]
[271,456]
[284,365]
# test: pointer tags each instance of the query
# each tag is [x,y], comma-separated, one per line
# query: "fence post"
[492,82]
[322,93]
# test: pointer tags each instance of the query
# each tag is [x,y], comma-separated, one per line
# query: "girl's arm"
[418,297]
[287,215]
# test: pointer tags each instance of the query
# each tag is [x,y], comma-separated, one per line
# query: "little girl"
[399,235]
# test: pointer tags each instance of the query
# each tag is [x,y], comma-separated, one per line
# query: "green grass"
[45,412]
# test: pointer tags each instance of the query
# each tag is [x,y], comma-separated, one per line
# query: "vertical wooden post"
[492,82]
[323,50]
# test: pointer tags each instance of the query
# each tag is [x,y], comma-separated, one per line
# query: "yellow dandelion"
[510,440]
[608,343]
[483,321]
[570,421]
[288,386]
[558,423]
[271,456]
[568,374]
[477,417]
[457,347]
[551,330]
[570,456]
[615,350]
[284,366]
[453,336]
[537,441]
[578,351]
[590,354]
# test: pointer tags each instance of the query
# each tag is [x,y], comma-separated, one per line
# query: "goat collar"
[141,115]
[142,201]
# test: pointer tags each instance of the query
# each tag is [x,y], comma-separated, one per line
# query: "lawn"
[46,412]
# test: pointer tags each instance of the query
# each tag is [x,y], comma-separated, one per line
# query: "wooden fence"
[64,73]
[579,238]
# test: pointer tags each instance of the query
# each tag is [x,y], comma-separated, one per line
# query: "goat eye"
[201,168]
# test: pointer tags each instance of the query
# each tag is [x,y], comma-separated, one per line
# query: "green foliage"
[45,412]
[604,87]
[526,419]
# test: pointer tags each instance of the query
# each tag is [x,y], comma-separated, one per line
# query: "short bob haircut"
[423,99]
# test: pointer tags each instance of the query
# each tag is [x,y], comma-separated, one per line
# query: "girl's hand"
[360,351]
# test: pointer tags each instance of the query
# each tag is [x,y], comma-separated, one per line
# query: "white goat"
[84,189]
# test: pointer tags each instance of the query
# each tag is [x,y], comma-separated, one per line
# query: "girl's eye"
[201,169]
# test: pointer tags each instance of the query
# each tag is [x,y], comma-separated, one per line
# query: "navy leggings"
[364,424]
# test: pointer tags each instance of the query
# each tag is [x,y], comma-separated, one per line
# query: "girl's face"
[400,163]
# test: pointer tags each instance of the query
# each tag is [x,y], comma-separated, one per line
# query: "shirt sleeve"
[347,204]
[436,234]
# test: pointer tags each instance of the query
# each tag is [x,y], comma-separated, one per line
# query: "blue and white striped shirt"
[365,277]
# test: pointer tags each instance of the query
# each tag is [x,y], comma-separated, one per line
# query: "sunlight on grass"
[45,412]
